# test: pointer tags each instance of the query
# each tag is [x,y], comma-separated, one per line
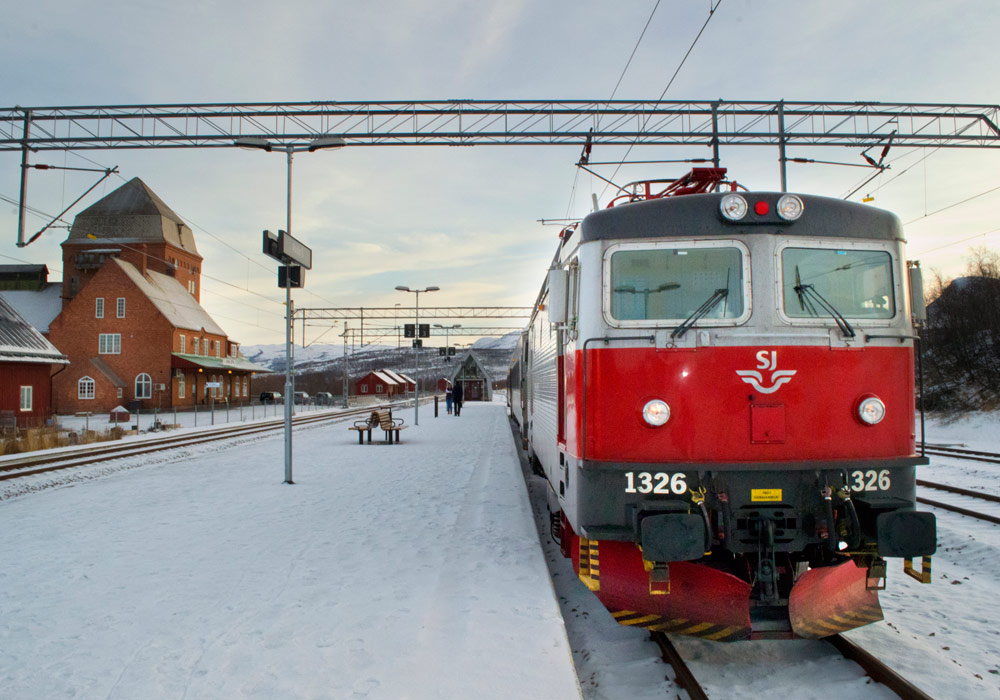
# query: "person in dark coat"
[456,397]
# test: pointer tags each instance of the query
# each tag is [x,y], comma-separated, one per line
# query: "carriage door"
[564,336]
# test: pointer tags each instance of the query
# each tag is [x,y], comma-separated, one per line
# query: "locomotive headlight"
[656,412]
[871,410]
[733,206]
[790,207]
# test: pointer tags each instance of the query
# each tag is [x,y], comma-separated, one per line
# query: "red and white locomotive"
[719,389]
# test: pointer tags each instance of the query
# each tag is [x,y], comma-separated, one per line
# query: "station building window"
[99,307]
[143,386]
[109,343]
[85,388]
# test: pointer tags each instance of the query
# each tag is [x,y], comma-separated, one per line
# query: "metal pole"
[347,386]
[416,359]
[24,180]
[289,386]
[715,134]
[781,145]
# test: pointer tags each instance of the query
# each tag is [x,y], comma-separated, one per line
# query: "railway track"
[875,669]
[960,453]
[44,462]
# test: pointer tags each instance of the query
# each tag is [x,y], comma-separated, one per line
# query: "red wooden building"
[379,384]
[26,363]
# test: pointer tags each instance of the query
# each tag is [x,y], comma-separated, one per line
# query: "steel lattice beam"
[402,314]
[487,122]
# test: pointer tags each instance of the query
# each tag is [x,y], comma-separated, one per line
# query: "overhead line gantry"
[285,125]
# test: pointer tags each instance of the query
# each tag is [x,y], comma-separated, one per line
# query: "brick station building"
[131,323]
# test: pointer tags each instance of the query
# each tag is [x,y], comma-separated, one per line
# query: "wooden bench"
[379,419]
[366,425]
[391,426]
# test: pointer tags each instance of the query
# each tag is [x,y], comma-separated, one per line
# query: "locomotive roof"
[698,215]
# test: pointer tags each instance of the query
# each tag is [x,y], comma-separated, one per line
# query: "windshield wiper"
[807,293]
[710,303]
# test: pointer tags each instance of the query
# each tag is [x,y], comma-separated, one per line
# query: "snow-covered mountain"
[321,367]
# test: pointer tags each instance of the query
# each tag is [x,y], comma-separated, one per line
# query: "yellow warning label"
[757,495]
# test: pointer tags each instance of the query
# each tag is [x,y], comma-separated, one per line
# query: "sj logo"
[766,360]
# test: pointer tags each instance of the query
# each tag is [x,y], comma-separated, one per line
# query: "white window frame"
[99,307]
[183,345]
[120,308]
[364,388]
[246,386]
[218,348]
[671,244]
[86,389]
[143,386]
[27,397]
[825,320]
[180,384]
[109,344]
[195,345]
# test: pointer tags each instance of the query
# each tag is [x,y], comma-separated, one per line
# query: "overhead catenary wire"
[711,13]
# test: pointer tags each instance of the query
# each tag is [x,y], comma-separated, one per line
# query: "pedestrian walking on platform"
[447,398]
[456,398]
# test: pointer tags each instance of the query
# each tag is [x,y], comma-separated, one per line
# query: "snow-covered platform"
[385,571]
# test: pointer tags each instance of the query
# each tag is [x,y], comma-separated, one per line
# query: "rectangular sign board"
[294,252]
[213,385]
[271,245]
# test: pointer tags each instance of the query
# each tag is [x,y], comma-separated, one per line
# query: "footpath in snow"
[402,571]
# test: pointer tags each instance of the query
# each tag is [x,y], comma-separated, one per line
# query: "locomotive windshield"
[670,284]
[857,283]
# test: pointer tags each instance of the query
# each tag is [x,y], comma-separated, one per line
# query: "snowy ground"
[408,571]
[404,571]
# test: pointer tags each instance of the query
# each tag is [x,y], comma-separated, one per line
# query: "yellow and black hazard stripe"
[690,628]
[590,564]
[841,622]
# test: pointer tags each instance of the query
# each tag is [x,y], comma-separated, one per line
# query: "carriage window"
[857,283]
[672,283]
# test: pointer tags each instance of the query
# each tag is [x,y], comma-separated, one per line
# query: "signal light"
[761,208]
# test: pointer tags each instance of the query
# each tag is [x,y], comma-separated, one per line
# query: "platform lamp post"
[447,357]
[290,150]
[416,347]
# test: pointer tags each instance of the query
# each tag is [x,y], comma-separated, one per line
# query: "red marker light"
[761,208]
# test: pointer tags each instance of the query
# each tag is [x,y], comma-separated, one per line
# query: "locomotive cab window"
[856,283]
[667,284]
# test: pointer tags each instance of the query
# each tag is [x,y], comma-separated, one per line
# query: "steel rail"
[682,673]
[976,455]
[872,666]
[955,489]
[959,510]
[70,460]
[877,670]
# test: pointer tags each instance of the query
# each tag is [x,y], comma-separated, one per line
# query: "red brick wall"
[146,340]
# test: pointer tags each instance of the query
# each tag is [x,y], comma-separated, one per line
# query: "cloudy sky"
[466,219]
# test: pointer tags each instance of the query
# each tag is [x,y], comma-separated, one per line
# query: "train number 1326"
[660,482]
